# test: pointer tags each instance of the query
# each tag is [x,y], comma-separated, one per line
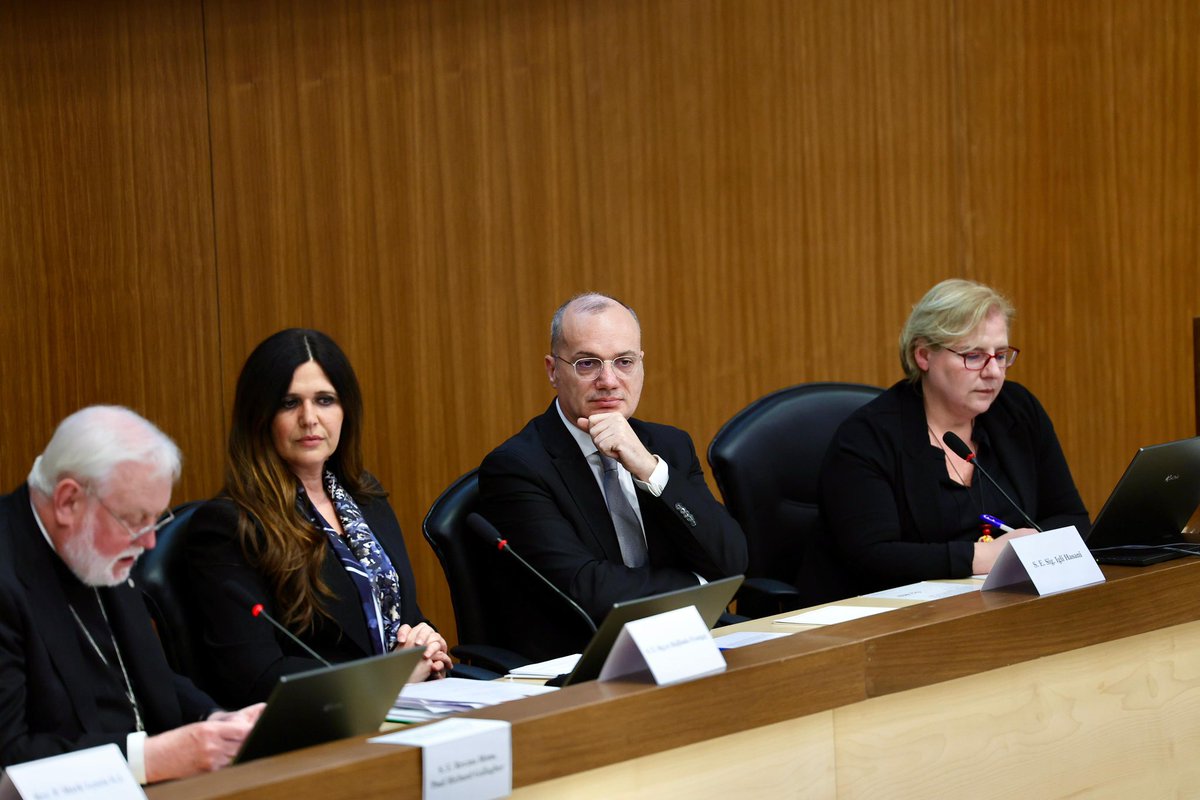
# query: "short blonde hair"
[947,313]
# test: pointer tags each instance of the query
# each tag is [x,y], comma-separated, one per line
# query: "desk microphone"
[240,594]
[960,449]
[487,531]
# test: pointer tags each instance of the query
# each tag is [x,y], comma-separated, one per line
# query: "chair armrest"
[474,673]
[763,597]
[489,657]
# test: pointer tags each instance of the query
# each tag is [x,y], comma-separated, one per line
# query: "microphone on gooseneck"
[255,608]
[960,449]
[487,531]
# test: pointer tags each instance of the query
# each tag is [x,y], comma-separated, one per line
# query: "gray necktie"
[629,531]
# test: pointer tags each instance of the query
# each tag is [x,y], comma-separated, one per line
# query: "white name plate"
[461,759]
[675,646]
[98,773]
[1053,561]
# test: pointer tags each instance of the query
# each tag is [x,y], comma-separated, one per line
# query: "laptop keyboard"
[1136,557]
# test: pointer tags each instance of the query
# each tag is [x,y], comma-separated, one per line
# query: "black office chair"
[157,575]
[767,462]
[467,562]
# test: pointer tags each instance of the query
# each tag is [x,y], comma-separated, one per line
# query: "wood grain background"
[771,183]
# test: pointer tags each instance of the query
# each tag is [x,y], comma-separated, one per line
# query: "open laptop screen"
[710,599]
[1152,503]
[321,705]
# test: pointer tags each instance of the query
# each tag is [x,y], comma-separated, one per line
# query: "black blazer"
[539,491]
[242,657]
[879,485]
[46,680]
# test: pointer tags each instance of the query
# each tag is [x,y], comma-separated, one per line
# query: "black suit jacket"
[539,491]
[242,657]
[46,679]
[879,486]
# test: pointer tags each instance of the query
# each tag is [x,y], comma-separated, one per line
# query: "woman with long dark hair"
[302,527]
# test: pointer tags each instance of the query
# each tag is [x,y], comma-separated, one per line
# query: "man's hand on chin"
[614,438]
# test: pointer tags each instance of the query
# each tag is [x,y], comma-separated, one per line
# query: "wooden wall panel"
[428,181]
[1080,124]
[106,225]
[771,183]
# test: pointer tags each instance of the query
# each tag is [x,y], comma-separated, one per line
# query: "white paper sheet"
[925,591]
[832,615]
[731,641]
[547,669]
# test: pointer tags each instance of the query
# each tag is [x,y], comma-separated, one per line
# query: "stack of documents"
[432,699]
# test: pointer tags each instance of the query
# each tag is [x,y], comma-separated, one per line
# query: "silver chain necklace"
[129,695]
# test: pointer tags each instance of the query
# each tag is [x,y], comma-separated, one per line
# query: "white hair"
[94,441]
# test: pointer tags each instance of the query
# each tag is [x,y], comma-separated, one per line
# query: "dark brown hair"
[277,539]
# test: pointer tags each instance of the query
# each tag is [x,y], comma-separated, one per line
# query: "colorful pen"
[996,522]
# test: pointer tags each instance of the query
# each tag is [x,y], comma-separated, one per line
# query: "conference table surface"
[593,725]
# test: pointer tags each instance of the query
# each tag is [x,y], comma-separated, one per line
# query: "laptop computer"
[710,599]
[1150,507]
[321,705]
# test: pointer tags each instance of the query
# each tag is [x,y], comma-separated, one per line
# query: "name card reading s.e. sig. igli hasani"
[1053,561]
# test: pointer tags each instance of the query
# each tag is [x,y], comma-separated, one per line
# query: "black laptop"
[710,599]
[1145,519]
[321,705]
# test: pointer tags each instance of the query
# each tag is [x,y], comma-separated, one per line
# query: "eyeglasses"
[977,359]
[134,535]
[589,368]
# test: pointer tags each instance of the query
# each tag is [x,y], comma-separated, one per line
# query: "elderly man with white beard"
[80,664]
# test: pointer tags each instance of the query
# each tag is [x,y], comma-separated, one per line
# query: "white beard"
[79,553]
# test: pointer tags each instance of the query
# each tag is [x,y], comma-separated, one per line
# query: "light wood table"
[1094,692]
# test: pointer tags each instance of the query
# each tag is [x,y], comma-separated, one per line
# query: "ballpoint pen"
[996,522]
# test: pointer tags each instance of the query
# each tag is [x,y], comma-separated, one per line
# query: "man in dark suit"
[80,664]
[606,506]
